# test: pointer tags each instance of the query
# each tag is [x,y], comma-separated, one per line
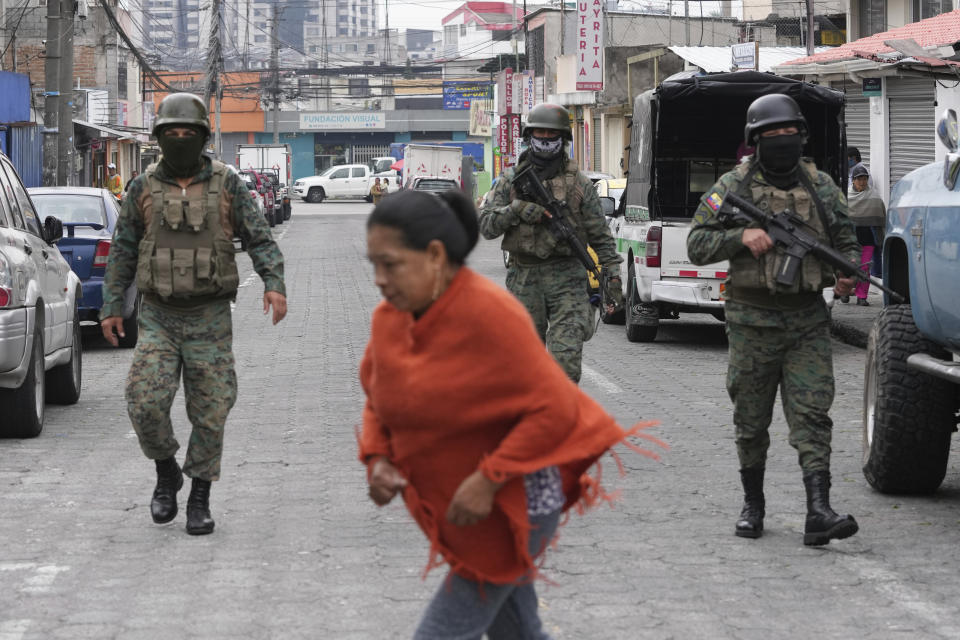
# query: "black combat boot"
[823,523]
[163,507]
[750,524]
[199,522]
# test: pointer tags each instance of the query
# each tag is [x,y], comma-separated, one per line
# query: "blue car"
[89,216]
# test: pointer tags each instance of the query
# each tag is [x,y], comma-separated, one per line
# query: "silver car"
[40,349]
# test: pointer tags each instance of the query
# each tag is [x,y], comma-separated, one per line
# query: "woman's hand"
[473,500]
[385,481]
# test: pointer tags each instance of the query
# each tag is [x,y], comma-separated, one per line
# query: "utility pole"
[246,38]
[386,57]
[513,39]
[325,58]
[686,22]
[275,66]
[66,154]
[214,67]
[810,27]
[51,107]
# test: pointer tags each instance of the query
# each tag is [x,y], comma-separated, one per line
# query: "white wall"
[880,144]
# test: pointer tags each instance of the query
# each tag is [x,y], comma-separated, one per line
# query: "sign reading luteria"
[343,120]
[589,45]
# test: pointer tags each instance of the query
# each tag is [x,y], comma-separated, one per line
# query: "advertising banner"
[460,95]
[508,94]
[503,139]
[744,55]
[481,116]
[515,138]
[343,120]
[589,45]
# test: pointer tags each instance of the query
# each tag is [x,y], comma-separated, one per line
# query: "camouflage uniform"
[779,336]
[192,336]
[544,274]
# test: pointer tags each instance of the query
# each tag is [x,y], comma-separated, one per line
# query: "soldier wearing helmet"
[779,335]
[544,274]
[174,238]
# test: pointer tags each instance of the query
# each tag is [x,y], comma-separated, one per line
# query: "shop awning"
[110,133]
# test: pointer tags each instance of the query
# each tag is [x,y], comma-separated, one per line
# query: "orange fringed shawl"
[470,385]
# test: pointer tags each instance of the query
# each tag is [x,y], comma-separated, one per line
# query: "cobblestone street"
[299,551]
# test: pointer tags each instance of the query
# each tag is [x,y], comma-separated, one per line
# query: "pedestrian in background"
[543,273]
[376,191]
[174,238]
[869,216]
[779,335]
[114,182]
[470,418]
[133,177]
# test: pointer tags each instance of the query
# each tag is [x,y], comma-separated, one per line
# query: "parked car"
[89,216]
[40,349]
[611,188]
[911,389]
[433,185]
[265,192]
[339,181]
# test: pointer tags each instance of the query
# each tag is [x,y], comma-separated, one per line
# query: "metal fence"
[363,152]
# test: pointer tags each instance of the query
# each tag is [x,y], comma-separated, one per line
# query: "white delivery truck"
[432,161]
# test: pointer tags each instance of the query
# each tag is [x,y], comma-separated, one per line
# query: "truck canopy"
[687,131]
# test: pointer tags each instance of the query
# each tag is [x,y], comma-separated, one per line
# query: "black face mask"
[780,155]
[181,156]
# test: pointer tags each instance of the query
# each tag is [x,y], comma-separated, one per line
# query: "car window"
[359,172]
[6,217]
[71,208]
[16,218]
[340,173]
[26,207]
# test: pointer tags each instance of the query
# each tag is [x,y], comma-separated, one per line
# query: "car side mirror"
[608,205]
[947,129]
[52,230]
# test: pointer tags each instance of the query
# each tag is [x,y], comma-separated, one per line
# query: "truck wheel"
[908,416]
[315,195]
[637,332]
[63,381]
[287,211]
[270,220]
[131,326]
[619,316]
[25,406]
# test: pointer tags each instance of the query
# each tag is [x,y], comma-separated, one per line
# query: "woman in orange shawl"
[469,416]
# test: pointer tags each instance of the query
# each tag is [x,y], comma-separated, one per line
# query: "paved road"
[299,552]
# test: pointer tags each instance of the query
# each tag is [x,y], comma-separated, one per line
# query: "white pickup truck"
[346,181]
[685,135]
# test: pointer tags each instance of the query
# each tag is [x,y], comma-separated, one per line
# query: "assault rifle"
[784,229]
[527,183]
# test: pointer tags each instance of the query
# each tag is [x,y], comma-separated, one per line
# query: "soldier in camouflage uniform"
[544,274]
[779,336]
[175,238]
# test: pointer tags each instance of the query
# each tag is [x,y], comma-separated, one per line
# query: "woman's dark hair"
[449,217]
[853,152]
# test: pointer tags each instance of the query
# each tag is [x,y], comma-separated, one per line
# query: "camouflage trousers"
[790,350]
[196,343]
[555,294]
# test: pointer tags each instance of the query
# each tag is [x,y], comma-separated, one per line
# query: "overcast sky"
[428,14]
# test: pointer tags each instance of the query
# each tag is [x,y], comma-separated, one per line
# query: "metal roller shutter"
[912,119]
[857,116]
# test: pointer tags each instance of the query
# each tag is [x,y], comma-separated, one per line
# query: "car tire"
[131,326]
[25,406]
[287,211]
[64,381]
[269,216]
[315,195]
[908,416]
[637,332]
[278,215]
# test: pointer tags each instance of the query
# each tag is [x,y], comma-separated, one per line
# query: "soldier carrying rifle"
[545,273]
[779,327]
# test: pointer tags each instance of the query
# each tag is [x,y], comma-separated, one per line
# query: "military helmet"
[771,111]
[548,116]
[181,109]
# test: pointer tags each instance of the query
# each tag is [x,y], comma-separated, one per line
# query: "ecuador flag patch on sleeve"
[715,201]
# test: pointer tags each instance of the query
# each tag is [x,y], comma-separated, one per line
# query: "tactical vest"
[536,239]
[747,272]
[186,251]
